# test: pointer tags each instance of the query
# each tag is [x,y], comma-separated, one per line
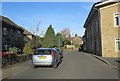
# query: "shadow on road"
[47,66]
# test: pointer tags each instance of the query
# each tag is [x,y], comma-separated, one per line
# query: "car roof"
[57,48]
[43,48]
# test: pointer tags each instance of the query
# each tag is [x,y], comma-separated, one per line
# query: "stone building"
[102,29]
[75,42]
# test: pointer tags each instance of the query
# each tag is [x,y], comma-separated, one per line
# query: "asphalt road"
[75,65]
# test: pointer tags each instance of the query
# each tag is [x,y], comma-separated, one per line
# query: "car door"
[56,56]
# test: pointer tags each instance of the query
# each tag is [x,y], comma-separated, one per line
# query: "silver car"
[60,52]
[46,56]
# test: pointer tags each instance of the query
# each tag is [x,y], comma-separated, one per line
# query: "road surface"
[75,65]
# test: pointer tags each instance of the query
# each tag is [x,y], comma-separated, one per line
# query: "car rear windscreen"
[42,52]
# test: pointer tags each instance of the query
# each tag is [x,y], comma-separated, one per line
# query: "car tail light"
[51,52]
[59,53]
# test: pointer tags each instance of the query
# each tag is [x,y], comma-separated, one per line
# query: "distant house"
[75,42]
[69,40]
[102,30]
[12,34]
[29,37]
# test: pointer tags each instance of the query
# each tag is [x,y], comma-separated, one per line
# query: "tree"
[40,41]
[36,32]
[19,43]
[59,39]
[49,38]
[66,32]
[28,49]
[67,42]
[76,35]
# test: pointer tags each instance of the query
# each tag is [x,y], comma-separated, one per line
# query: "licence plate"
[42,57]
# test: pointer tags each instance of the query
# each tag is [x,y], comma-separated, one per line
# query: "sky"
[42,14]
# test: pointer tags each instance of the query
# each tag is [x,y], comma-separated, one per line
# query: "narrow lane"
[75,65]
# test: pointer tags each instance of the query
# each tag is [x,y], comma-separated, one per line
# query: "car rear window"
[42,52]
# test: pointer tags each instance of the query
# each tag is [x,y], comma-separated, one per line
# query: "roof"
[95,8]
[106,2]
[77,38]
[26,31]
[91,12]
[69,38]
[8,21]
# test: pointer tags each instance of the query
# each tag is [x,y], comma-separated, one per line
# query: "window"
[117,44]
[6,46]
[42,52]
[97,26]
[12,30]
[18,33]
[117,19]
[4,31]
[55,52]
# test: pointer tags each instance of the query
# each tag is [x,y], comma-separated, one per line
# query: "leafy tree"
[49,38]
[19,43]
[59,39]
[67,42]
[41,41]
[28,49]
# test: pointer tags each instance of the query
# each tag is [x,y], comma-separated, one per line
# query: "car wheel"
[60,61]
[34,67]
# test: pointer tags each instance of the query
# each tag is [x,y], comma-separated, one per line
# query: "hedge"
[11,58]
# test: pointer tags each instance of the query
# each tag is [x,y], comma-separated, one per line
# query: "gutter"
[106,2]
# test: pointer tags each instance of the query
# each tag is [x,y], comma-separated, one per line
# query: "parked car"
[60,52]
[46,56]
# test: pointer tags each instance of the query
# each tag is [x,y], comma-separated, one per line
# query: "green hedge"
[14,58]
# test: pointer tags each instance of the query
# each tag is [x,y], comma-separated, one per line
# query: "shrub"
[28,48]
[14,50]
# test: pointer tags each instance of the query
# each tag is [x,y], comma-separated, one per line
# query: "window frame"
[117,14]
[5,31]
[19,33]
[116,48]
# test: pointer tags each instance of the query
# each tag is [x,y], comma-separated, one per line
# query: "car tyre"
[34,67]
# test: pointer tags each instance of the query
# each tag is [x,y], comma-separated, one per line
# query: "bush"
[28,48]
[14,50]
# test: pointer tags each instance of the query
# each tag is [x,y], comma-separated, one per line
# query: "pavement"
[115,62]
[15,69]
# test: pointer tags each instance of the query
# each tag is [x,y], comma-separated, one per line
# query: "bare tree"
[66,32]
[36,30]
